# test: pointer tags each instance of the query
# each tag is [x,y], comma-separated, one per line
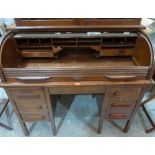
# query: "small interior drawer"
[117,52]
[125,92]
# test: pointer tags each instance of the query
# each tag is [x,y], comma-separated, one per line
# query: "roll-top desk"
[42,58]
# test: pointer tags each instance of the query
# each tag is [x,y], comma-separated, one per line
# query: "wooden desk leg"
[150,120]
[101,119]
[129,122]
[148,100]
[50,107]
[150,130]
[22,123]
[6,109]
[5,126]
[8,114]
[147,114]
[127,126]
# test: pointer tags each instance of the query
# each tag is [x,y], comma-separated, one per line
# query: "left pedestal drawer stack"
[31,103]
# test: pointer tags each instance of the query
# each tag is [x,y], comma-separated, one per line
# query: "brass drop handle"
[115,77]
[33,78]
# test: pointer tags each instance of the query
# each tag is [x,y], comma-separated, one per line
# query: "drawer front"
[77,89]
[34,118]
[31,103]
[117,52]
[126,92]
[33,114]
[117,115]
[38,109]
[28,95]
[121,105]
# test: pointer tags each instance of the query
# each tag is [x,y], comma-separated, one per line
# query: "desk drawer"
[125,92]
[117,52]
[117,115]
[32,109]
[121,104]
[35,95]
[34,118]
[77,89]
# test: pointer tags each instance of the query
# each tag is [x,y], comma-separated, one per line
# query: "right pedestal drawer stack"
[120,101]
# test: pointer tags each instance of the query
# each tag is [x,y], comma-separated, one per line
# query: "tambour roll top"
[92,48]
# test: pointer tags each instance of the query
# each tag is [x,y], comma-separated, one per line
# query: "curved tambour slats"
[145,54]
[2,43]
[15,72]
